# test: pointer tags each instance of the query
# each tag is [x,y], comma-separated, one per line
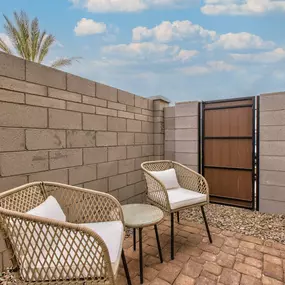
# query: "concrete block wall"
[159,128]
[59,127]
[181,133]
[272,153]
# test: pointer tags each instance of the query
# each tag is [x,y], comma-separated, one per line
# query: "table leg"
[134,238]
[158,244]
[141,255]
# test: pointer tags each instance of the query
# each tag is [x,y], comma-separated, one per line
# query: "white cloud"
[89,27]
[155,52]
[185,55]
[242,7]
[195,70]
[105,6]
[107,62]
[263,57]
[141,50]
[220,66]
[242,40]
[168,31]
[6,40]
[209,67]
[115,5]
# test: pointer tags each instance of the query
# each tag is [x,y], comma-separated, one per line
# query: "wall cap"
[186,102]
[159,97]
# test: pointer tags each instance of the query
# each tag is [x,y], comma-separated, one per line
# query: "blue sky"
[182,49]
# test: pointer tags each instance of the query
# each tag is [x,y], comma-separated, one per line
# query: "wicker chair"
[191,191]
[75,251]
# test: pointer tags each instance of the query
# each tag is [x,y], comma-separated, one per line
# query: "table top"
[141,215]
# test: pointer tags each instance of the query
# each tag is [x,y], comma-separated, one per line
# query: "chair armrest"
[48,250]
[191,180]
[85,205]
[156,191]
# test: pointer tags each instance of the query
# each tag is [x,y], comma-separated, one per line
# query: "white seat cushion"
[167,177]
[181,197]
[113,235]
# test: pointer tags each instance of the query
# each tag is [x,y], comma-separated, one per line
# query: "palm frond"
[61,62]
[42,36]
[35,35]
[4,47]
[28,40]
[45,46]
[14,36]
[22,22]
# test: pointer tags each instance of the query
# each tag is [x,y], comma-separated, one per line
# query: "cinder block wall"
[59,127]
[159,127]
[181,133]
[272,153]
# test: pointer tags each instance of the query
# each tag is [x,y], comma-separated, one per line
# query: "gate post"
[160,103]
[181,133]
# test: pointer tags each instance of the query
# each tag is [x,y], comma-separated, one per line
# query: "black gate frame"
[255,143]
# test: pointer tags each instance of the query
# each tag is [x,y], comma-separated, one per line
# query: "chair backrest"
[26,197]
[49,250]
[23,198]
[158,165]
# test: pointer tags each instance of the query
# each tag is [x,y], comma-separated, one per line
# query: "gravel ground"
[264,226]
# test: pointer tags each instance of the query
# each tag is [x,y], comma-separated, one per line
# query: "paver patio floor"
[231,259]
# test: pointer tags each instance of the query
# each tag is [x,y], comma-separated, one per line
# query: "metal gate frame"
[255,144]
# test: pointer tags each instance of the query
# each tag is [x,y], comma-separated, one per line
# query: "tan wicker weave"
[31,238]
[187,179]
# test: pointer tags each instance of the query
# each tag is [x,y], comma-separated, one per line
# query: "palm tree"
[29,42]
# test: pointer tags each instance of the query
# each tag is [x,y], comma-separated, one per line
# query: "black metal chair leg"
[141,255]
[158,244]
[206,223]
[172,236]
[134,238]
[178,218]
[126,268]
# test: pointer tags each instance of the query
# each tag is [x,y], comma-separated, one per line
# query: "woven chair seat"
[81,245]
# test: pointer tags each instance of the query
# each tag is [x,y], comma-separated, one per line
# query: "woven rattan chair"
[49,251]
[191,190]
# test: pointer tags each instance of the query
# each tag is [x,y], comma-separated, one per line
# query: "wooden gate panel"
[233,186]
[227,150]
[228,122]
[228,153]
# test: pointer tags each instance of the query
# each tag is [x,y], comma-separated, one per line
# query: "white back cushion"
[49,209]
[167,177]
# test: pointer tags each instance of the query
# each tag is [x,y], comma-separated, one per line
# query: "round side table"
[138,216]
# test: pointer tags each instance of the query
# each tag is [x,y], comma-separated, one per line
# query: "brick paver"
[232,258]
